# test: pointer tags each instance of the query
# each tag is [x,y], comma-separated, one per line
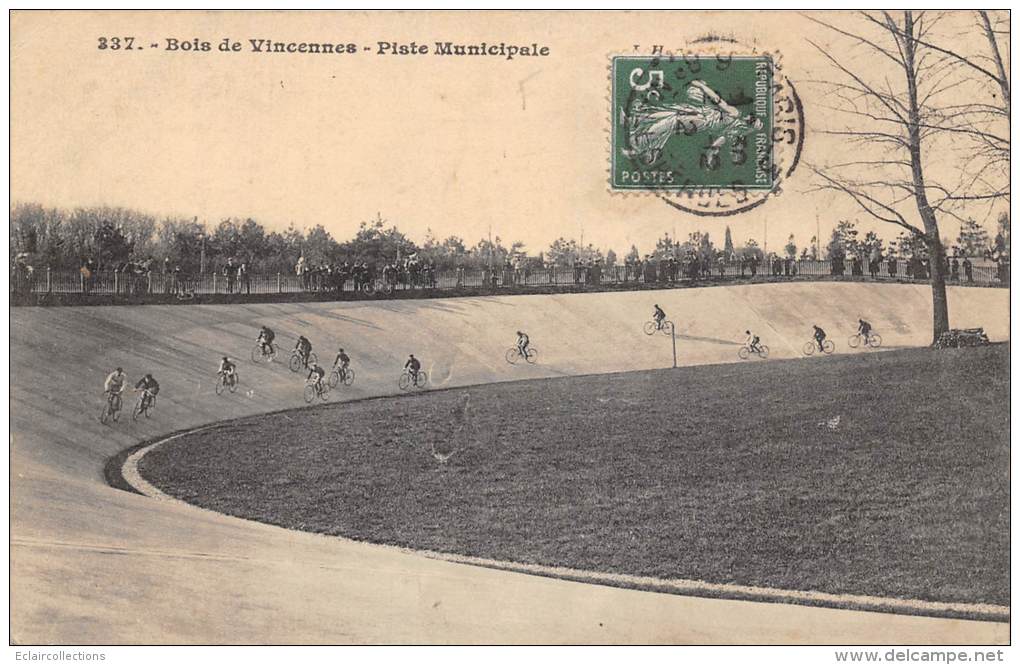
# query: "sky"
[457,146]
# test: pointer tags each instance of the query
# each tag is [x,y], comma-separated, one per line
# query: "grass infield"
[883,474]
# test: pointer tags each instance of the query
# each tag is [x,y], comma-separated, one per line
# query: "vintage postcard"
[510,327]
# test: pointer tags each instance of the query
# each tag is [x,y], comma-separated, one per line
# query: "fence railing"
[108,283]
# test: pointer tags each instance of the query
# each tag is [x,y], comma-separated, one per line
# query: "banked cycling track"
[95,565]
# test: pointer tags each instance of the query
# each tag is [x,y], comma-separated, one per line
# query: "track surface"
[90,564]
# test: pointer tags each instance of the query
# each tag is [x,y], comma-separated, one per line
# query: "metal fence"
[26,281]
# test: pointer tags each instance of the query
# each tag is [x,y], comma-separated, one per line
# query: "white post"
[672,329]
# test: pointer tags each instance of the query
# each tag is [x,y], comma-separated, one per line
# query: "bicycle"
[315,389]
[146,402]
[111,410]
[874,340]
[340,375]
[651,327]
[228,381]
[745,352]
[406,382]
[513,354]
[263,352]
[297,362]
[811,347]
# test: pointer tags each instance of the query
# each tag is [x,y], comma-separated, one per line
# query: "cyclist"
[114,384]
[226,370]
[752,342]
[864,330]
[265,339]
[303,347]
[315,371]
[343,361]
[412,366]
[522,343]
[819,337]
[659,317]
[150,388]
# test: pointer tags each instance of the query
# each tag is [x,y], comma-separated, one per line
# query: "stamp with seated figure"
[711,134]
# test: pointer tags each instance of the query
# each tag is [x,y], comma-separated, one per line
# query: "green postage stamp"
[703,131]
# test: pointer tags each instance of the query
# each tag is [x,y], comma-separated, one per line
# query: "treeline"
[109,236]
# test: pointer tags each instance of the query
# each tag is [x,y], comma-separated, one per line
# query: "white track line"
[676,586]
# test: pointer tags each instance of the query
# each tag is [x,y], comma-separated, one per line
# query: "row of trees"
[110,236]
[972,241]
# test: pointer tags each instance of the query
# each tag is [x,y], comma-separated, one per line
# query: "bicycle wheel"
[875,341]
[233,383]
[421,379]
[828,346]
[334,378]
[666,328]
[348,376]
[854,341]
[323,391]
[256,354]
[764,353]
[137,410]
[532,354]
[512,354]
[105,414]
[115,408]
[650,327]
[309,393]
[312,358]
[744,353]
[219,385]
[295,362]
[809,348]
[405,381]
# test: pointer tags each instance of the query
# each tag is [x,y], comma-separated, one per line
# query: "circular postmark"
[712,132]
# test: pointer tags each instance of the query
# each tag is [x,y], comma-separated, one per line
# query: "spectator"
[954,270]
[230,272]
[892,267]
[299,270]
[968,270]
[244,273]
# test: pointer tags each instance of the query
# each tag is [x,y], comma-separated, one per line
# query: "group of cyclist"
[116,382]
[753,342]
[316,372]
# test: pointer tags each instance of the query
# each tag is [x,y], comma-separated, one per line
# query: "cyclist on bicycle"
[819,337]
[303,347]
[864,330]
[226,370]
[150,388]
[315,371]
[265,340]
[114,384]
[659,316]
[522,343]
[752,342]
[342,361]
[412,366]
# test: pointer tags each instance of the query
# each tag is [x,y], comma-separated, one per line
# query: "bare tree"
[912,140]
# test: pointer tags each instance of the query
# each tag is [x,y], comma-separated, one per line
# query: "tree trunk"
[939,304]
[936,252]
